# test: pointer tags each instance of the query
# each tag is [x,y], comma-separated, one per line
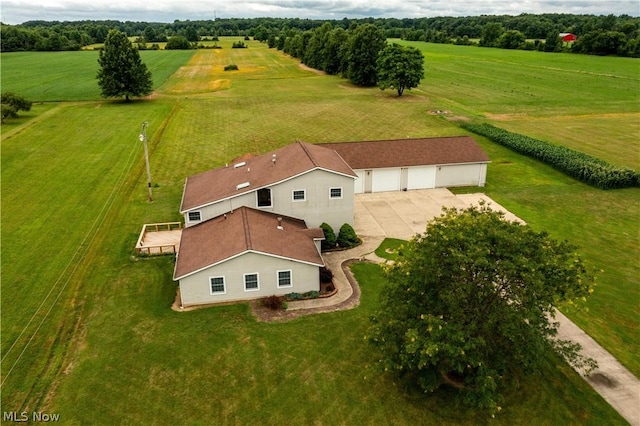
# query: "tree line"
[600,35]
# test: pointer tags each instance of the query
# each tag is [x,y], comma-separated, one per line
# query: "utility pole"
[143,139]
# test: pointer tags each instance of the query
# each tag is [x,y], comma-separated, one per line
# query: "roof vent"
[273,159]
[242,185]
[280,223]
[241,164]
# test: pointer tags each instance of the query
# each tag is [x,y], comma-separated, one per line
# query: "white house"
[405,164]
[251,227]
[300,180]
[247,254]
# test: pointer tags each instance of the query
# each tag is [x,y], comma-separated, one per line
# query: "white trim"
[304,262]
[244,281]
[293,195]
[331,197]
[290,278]
[182,211]
[224,283]
[194,220]
[270,198]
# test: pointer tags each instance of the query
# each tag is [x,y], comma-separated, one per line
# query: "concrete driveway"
[402,214]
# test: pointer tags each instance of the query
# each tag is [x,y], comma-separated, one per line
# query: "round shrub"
[329,241]
[231,67]
[347,236]
[326,276]
[274,302]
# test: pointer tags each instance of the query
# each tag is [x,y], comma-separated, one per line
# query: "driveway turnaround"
[404,214]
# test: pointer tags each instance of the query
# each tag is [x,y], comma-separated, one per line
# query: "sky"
[19,11]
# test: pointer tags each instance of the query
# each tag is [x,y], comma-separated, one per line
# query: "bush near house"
[274,302]
[347,237]
[326,275]
[585,168]
[329,241]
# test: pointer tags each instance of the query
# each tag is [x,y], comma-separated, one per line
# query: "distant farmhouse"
[568,37]
[252,226]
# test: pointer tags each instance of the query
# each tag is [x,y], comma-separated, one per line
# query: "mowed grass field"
[86,328]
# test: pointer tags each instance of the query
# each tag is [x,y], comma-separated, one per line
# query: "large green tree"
[122,72]
[12,103]
[364,44]
[471,304]
[400,68]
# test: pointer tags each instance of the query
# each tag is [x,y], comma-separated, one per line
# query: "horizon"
[16,12]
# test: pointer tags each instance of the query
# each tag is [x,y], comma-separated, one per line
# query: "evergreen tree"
[364,45]
[122,72]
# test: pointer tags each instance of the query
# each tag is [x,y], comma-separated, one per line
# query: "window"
[335,193]
[217,285]
[195,217]
[264,197]
[251,282]
[299,195]
[284,279]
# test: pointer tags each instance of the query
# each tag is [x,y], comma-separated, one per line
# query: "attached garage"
[461,175]
[406,164]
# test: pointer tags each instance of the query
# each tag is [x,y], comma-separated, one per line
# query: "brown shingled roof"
[259,171]
[244,230]
[409,152]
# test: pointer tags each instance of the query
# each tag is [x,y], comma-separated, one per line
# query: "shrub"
[238,45]
[329,241]
[274,302]
[578,165]
[297,296]
[232,67]
[178,43]
[293,296]
[347,236]
[326,276]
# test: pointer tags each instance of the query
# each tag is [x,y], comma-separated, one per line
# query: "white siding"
[386,180]
[195,289]
[422,177]
[461,175]
[358,184]
[315,209]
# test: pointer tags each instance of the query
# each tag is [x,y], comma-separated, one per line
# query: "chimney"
[280,223]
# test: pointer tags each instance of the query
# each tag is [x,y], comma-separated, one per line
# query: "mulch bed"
[264,314]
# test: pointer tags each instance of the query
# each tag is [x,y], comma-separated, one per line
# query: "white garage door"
[459,175]
[385,180]
[421,177]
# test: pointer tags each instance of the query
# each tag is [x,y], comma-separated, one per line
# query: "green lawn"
[588,103]
[71,76]
[87,330]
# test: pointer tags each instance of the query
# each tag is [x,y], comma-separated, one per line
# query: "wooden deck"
[159,238]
